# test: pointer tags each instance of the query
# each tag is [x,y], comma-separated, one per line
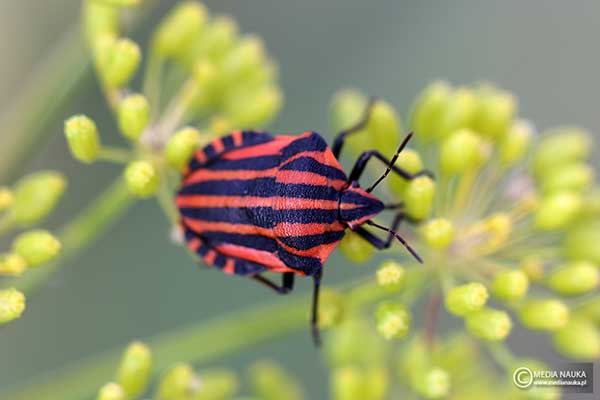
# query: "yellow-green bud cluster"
[391,275]
[393,320]
[356,248]
[12,304]
[133,116]
[232,75]
[35,197]
[134,370]
[271,382]
[461,300]
[544,314]
[142,178]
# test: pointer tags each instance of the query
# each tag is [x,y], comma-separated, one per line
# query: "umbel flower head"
[508,231]
[201,77]
[22,206]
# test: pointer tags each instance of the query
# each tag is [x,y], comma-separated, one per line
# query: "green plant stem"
[115,155]
[200,343]
[79,233]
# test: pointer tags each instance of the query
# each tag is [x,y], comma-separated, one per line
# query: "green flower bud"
[134,370]
[495,112]
[544,314]
[557,210]
[331,308]
[12,264]
[134,114]
[111,391]
[579,339]
[355,248]
[100,20]
[36,247]
[82,136]
[12,304]
[393,320]
[418,197]
[459,112]
[438,233]
[433,383]
[390,275]
[514,145]
[181,147]
[384,127]
[245,58]
[119,62]
[489,324]
[142,178]
[36,195]
[428,110]
[217,384]
[467,298]
[6,198]
[410,161]
[347,384]
[575,278]
[178,383]
[510,285]
[219,37]
[460,152]
[271,382]
[572,177]
[347,108]
[561,146]
[257,109]
[180,28]
[581,242]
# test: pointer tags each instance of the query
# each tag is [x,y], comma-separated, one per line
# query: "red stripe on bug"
[269,260]
[200,156]
[194,244]
[199,226]
[218,145]
[310,178]
[210,256]
[321,251]
[202,175]
[264,149]
[277,203]
[284,229]
[237,138]
[229,267]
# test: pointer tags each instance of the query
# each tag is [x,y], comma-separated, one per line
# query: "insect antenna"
[400,239]
[392,162]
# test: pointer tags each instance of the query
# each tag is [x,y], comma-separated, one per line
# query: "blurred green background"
[134,282]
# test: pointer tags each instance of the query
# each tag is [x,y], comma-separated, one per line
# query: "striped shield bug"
[251,203]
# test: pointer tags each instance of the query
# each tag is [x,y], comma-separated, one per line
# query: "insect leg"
[338,143]
[377,242]
[314,321]
[287,282]
[384,244]
[364,158]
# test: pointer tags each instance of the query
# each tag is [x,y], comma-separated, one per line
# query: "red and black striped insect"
[251,203]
